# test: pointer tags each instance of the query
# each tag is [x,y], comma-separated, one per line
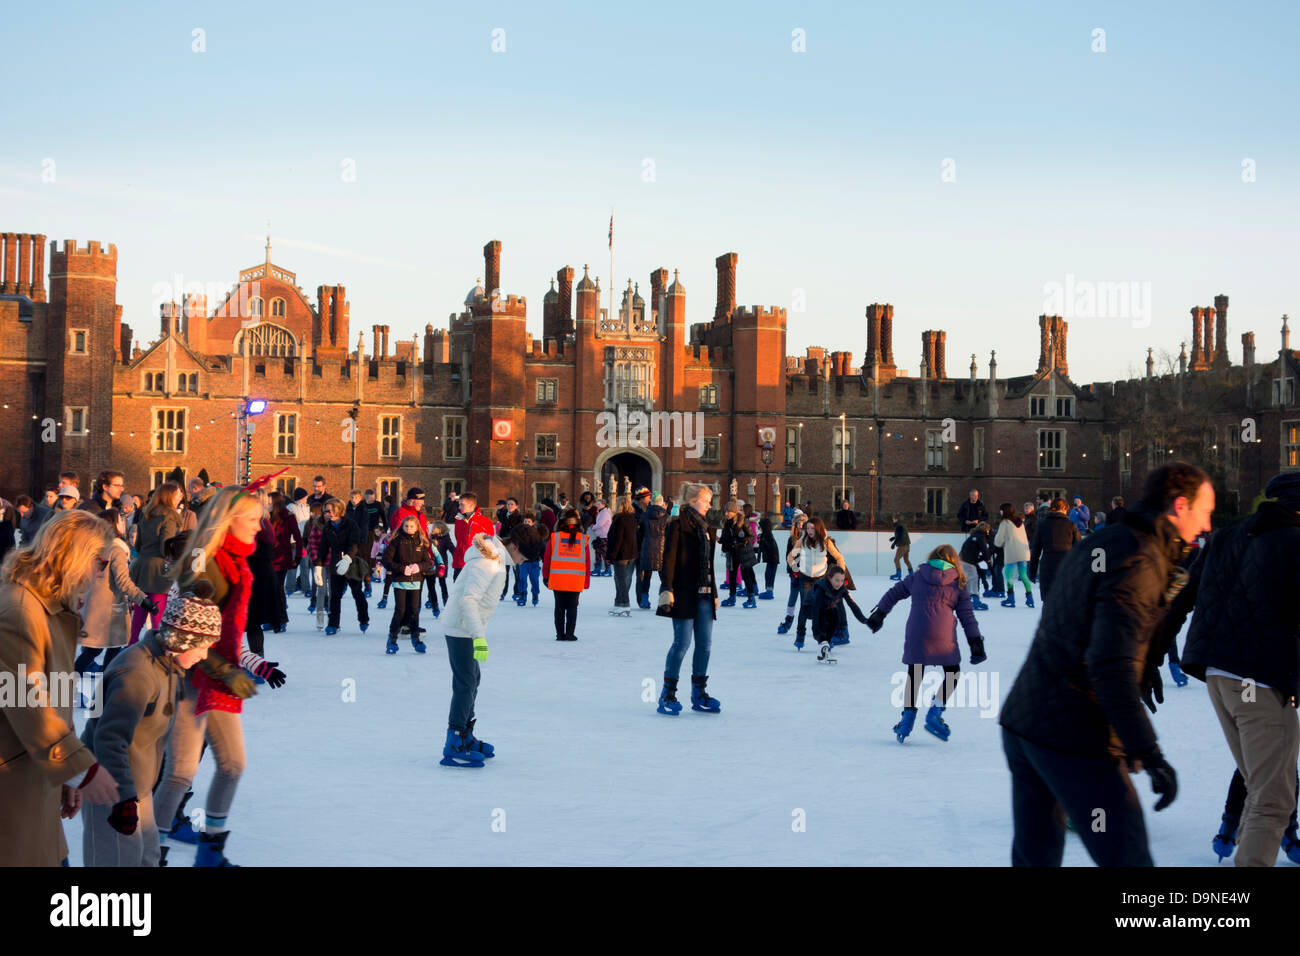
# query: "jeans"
[643,578]
[306,582]
[338,585]
[1047,786]
[530,575]
[701,627]
[406,612]
[598,546]
[805,602]
[465,677]
[623,571]
[769,575]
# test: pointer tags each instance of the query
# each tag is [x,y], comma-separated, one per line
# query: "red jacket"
[405,512]
[465,529]
[288,544]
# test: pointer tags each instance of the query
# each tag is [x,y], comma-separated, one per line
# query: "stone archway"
[640,464]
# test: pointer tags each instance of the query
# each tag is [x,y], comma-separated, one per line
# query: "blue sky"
[821,169]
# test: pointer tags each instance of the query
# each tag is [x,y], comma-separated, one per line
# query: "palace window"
[1284,391]
[545,447]
[1291,444]
[452,484]
[1038,406]
[77,341]
[977,449]
[547,391]
[187,382]
[1107,446]
[708,396]
[390,489]
[1125,452]
[255,307]
[390,436]
[842,446]
[286,434]
[792,444]
[1051,449]
[77,417]
[277,308]
[935,502]
[169,430]
[266,339]
[934,450]
[453,437]
[155,381]
[1065,407]
[838,495]
[542,490]
[794,494]
[286,486]
[710,452]
[1234,446]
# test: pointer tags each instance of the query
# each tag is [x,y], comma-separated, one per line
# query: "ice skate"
[456,754]
[824,653]
[668,703]
[904,726]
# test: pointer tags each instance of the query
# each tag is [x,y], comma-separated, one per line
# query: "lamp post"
[352,413]
[767,463]
[844,434]
[871,472]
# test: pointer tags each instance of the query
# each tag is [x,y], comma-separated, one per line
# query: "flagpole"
[611,265]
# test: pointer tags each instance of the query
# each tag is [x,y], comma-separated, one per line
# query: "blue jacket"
[1080,515]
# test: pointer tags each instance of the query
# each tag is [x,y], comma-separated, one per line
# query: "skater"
[530,542]
[301,512]
[162,519]
[1055,536]
[792,569]
[771,557]
[739,547]
[441,537]
[470,607]
[469,522]
[337,550]
[409,559]
[108,600]
[47,772]
[566,570]
[138,701]
[1243,638]
[511,518]
[1225,841]
[311,533]
[650,555]
[600,539]
[1073,724]
[1081,516]
[1014,543]
[829,619]
[288,548]
[815,555]
[622,550]
[688,594]
[975,550]
[940,599]
[213,696]
[900,542]
[266,606]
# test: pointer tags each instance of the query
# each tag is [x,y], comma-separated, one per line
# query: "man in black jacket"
[1055,535]
[971,513]
[1073,725]
[1244,642]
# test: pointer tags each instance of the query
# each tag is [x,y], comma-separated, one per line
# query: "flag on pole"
[611,229]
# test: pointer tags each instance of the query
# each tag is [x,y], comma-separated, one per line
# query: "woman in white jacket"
[1014,542]
[473,600]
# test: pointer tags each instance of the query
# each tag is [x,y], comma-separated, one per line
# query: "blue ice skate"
[474,745]
[934,722]
[784,626]
[978,605]
[1291,844]
[212,849]
[897,575]
[383,603]
[841,636]
[668,703]
[391,647]
[1029,599]
[729,602]
[1225,841]
[767,595]
[1180,678]
[904,726]
[456,754]
[750,603]
[700,700]
[1009,600]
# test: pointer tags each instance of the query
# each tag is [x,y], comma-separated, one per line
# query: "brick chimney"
[1059,330]
[492,270]
[8,249]
[927,354]
[872,359]
[887,337]
[1211,346]
[1221,359]
[1044,344]
[726,287]
[374,349]
[1248,349]
[1198,363]
[658,283]
[24,263]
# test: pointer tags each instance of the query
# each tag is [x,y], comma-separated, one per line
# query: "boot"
[383,603]
[977,604]
[700,700]
[934,722]
[162,855]
[417,644]
[1029,599]
[1180,678]
[767,595]
[181,830]
[1009,600]
[1225,841]
[750,602]
[729,602]
[391,647]
[455,752]
[904,726]
[474,745]
[1291,844]
[784,626]
[841,635]
[668,703]
[212,849]
[897,575]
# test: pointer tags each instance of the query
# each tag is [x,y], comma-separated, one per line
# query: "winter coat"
[406,549]
[1056,535]
[335,541]
[147,569]
[1081,517]
[814,562]
[465,528]
[603,520]
[846,520]
[1247,619]
[509,523]
[450,508]
[976,548]
[652,542]
[288,543]
[443,543]
[681,571]
[900,538]
[828,606]
[404,512]
[1079,689]
[108,601]
[39,749]
[265,605]
[622,538]
[547,519]
[931,635]
[1013,541]
[476,593]
[137,709]
[969,512]
[737,544]
[768,549]
[530,541]
[375,512]
[36,516]
[301,512]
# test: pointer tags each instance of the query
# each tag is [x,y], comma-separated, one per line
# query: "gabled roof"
[203,360]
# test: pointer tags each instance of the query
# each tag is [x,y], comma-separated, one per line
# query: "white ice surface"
[588,773]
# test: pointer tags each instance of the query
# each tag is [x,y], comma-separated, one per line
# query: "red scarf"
[232,563]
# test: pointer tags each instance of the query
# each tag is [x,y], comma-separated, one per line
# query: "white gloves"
[345,562]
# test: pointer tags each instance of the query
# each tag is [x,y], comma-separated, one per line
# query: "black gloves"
[1163,779]
[876,621]
[271,673]
[125,816]
[1153,685]
[149,607]
[977,655]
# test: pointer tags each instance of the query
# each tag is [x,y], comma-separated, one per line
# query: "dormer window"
[1037,406]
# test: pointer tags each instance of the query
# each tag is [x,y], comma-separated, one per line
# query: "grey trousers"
[101,845]
[623,571]
[1264,737]
[465,676]
[225,735]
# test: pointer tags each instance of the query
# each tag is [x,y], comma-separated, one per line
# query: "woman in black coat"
[622,549]
[738,545]
[1055,535]
[689,595]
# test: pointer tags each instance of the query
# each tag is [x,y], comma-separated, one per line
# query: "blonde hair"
[220,510]
[334,506]
[626,506]
[62,557]
[946,552]
[691,492]
[165,498]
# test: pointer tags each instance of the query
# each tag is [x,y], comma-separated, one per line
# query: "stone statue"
[586,485]
[776,489]
[753,485]
[733,488]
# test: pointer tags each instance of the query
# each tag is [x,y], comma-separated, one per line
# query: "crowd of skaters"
[109,573]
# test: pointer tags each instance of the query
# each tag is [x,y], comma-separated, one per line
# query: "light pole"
[767,463]
[352,413]
[871,472]
[844,434]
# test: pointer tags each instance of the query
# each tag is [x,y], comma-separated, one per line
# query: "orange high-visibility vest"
[568,562]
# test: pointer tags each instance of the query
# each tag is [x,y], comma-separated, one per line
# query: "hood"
[934,576]
[485,547]
[654,511]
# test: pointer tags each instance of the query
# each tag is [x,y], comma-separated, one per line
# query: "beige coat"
[105,615]
[39,749]
[1013,541]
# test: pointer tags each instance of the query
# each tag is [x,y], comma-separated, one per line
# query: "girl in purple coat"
[938,591]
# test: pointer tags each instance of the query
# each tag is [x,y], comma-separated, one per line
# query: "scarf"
[232,563]
[695,524]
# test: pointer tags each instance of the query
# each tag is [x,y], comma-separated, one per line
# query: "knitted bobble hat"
[191,620]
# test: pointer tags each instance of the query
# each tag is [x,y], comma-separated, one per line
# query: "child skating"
[409,559]
[939,600]
[829,618]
